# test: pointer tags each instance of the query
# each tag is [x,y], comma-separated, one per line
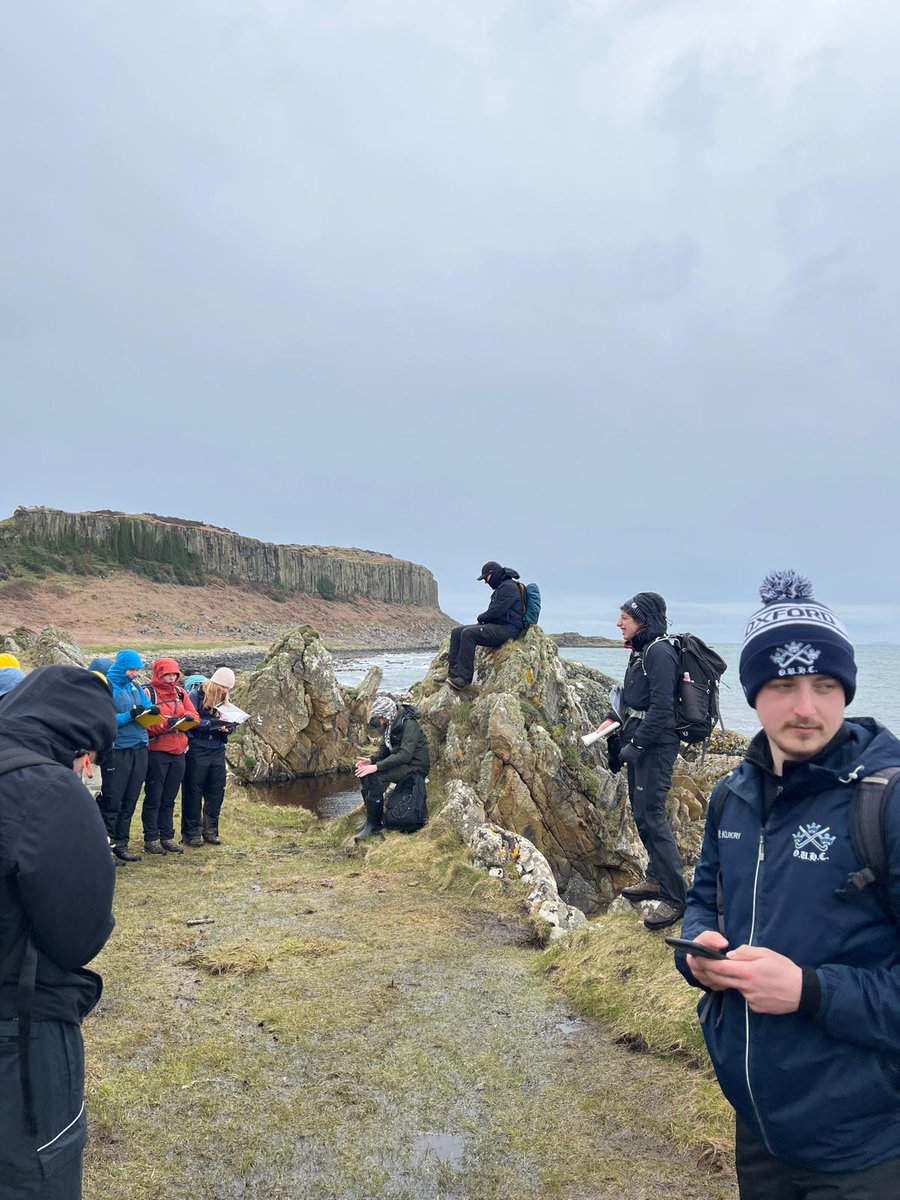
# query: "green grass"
[337,1010]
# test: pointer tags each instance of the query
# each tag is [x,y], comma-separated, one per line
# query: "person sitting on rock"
[403,750]
[502,620]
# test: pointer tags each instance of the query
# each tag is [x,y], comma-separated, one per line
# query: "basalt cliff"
[110,574]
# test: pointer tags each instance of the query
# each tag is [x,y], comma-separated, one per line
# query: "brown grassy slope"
[124,606]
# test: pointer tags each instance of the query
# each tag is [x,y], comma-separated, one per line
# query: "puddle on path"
[443,1147]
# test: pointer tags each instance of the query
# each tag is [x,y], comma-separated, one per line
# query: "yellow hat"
[9,660]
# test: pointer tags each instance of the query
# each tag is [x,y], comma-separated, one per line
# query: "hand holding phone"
[700,949]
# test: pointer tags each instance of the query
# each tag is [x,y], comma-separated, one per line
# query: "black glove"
[630,753]
[136,710]
[613,753]
[170,721]
[153,710]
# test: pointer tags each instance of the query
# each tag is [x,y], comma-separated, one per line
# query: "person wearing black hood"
[502,620]
[648,745]
[56,891]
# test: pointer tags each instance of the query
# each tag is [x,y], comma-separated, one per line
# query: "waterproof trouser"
[464,639]
[124,772]
[165,773]
[203,790]
[46,1166]
[762,1176]
[649,781]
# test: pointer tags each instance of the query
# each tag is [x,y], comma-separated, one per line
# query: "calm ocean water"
[877,695]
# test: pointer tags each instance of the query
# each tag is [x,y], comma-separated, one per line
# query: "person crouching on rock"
[403,750]
[204,771]
[502,620]
[166,758]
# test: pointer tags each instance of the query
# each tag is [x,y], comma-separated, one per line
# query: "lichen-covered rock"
[463,810]
[514,738]
[53,646]
[301,721]
[499,851]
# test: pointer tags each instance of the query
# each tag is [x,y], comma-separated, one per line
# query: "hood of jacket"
[501,576]
[163,689]
[125,660]
[861,746]
[10,677]
[101,663]
[58,711]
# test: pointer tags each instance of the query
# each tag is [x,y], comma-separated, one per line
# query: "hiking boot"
[648,890]
[116,862]
[121,851]
[458,685]
[153,847]
[170,846]
[372,827]
[665,914]
[211,836]
[192,839]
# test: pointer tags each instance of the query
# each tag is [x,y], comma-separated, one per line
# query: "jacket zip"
[760,859]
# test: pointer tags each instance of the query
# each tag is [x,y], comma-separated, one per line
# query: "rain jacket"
[506,607]
[56,875]
[408,750]
[820,1086]
[125,695]
[173,701]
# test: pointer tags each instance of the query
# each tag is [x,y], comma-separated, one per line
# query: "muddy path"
[341,1029]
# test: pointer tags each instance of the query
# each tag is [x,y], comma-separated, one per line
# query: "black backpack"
[697,695]
[406,809]
[867,821]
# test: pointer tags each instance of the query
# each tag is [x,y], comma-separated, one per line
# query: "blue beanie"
[793,634]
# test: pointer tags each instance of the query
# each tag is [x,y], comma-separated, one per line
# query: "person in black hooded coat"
[648,745]
[502,620]
[56,891]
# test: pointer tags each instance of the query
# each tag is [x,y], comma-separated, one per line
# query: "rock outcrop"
[51,645]
[514,740]
[193,549]
[509,747]
[302,722]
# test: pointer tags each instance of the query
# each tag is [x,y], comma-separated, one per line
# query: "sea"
[877,692]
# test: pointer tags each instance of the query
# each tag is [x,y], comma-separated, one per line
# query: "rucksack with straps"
[22,958]
[531,604]
[866,819]
[406,808]
[697,695]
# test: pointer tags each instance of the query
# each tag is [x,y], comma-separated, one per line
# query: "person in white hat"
[204,775]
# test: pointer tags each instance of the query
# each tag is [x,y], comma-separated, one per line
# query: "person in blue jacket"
[802,1018]
[125,768]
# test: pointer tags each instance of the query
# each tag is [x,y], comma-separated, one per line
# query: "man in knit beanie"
[802,1016]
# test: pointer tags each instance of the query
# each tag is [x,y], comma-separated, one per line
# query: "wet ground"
[341,1029]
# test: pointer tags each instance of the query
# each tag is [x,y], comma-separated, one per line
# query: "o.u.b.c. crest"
[795,658]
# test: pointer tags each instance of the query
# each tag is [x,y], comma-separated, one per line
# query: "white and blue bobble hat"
[793,634]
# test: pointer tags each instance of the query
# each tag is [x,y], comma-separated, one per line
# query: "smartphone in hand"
[698,948]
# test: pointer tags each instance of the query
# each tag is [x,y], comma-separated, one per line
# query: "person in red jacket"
[165,761]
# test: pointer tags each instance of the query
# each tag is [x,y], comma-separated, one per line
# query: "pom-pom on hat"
[793,634]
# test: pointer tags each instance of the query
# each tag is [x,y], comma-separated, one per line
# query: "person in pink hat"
[204,776]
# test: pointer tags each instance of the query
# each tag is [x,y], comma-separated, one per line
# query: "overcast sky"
[604,289]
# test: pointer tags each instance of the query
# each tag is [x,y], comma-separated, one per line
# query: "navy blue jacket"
[506,606]
[207,733]
[821,1089]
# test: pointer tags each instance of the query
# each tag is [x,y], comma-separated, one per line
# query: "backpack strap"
[521,587]
[716,812]
[12,760]
[868,809]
